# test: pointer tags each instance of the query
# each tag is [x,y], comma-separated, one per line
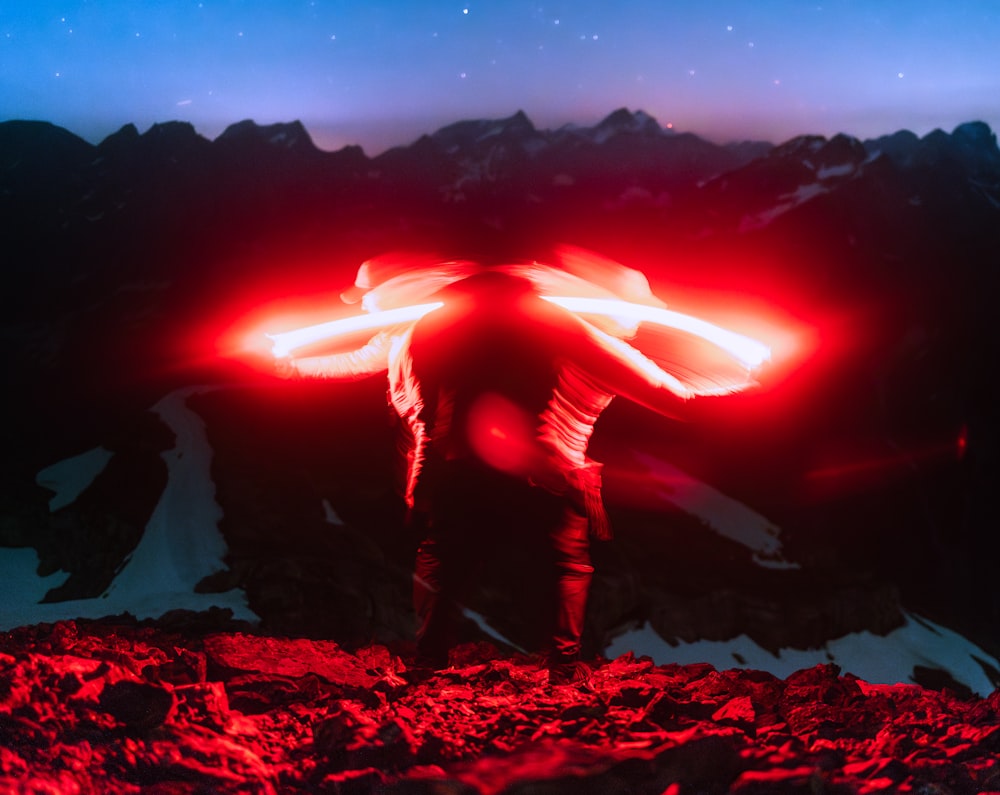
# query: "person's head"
[493,284]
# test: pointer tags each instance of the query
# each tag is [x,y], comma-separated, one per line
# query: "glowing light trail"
[286,342]
[750,352]
[747,350]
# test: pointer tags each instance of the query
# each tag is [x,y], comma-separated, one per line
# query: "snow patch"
[873,658]
[986,190]
[804,193]
[331,516]
[69,478]
[181,544]
[832,172]
[799,196]
[723,515]
[480,620]
[19,582]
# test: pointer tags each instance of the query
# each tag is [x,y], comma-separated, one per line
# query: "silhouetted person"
[500,390]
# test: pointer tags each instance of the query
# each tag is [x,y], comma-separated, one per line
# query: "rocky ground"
[117,706]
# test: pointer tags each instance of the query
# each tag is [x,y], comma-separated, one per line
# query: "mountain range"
[872,461]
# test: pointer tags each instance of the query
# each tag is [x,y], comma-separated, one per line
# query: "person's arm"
[370,359]
[407,398]
[622,370]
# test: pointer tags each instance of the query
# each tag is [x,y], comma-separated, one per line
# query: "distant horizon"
[393,137]
[382,73]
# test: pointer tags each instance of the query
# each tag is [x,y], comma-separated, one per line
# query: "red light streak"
[860,471]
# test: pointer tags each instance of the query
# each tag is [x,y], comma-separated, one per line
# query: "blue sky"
[381,73]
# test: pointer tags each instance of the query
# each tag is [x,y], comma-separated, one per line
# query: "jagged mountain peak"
[971,133]
[800,146]
[25,128]
[172,141]
[842,149]
[520,119]
[819,152]
[624,120]
[36,155]
[976,132]
[978,146]
[23,138]
[284,135]
[972,146]
[899,146]
[171,130]
[465,134]
[124,136]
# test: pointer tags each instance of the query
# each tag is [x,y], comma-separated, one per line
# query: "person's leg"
[434,603]
[449,559]
[573,572]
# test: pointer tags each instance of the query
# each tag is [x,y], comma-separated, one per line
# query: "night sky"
[381,73]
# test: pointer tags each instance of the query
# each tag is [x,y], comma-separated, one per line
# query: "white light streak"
[286,342]
[750,352]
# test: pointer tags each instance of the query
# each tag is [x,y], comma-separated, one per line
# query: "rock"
[140,707]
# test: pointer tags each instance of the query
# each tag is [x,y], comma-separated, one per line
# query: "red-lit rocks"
[101,708]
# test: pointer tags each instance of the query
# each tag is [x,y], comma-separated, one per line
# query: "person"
[500,390]
[497,393]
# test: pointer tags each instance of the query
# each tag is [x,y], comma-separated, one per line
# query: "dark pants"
[495,540]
